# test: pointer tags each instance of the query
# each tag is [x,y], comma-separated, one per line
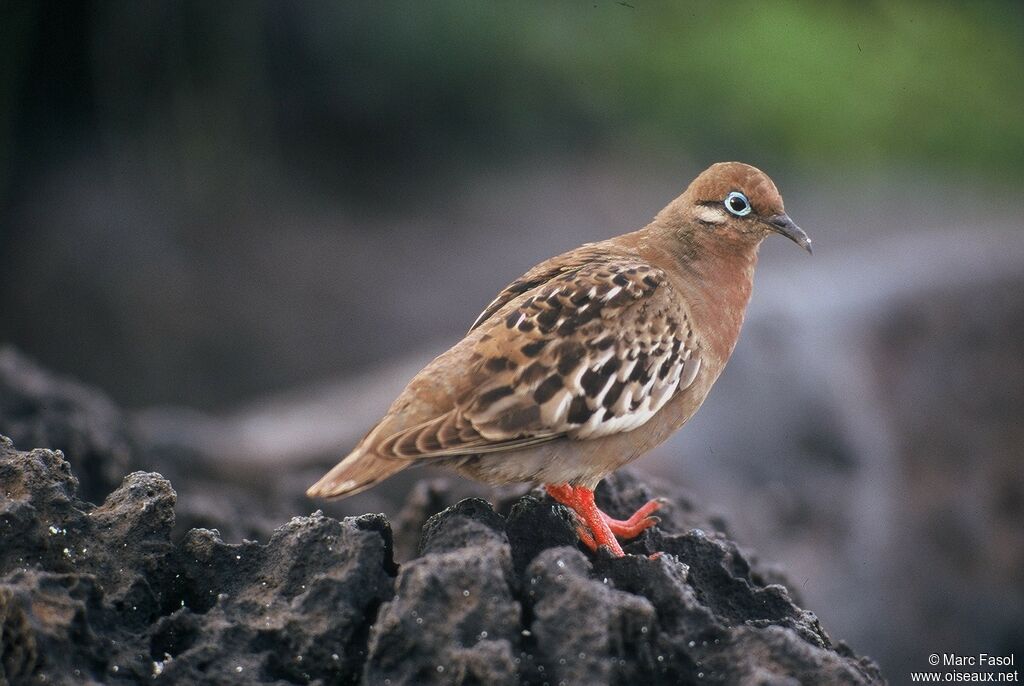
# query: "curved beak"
[783,225]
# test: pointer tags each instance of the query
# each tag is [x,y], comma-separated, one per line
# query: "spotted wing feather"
[593,350]
[539,275]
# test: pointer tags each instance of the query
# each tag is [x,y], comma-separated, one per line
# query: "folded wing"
[583,352]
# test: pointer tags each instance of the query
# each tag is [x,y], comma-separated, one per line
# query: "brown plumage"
[589,359]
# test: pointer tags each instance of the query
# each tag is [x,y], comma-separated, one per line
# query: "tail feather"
[357,472]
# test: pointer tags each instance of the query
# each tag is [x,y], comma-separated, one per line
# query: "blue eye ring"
[737,204]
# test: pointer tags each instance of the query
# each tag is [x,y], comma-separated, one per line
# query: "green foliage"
[923,83]
[360,89]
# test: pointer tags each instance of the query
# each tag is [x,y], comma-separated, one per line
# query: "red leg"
[594,529]
[594,519]
[566,495]
[563,493]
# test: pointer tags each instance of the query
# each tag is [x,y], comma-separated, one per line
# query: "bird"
[588,360]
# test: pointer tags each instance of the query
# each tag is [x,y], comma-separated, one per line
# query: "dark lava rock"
[455,617]
[296,610]
[100,594]
[105,595]
[39,410]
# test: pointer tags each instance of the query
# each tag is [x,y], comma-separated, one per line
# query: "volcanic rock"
[104,595]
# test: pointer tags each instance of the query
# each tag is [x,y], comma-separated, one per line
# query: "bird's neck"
[716,279]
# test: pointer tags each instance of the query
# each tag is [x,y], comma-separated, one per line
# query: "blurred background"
[250,223]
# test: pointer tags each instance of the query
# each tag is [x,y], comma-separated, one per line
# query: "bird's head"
[731,203]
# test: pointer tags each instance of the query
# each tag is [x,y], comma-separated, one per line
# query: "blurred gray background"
[250,223]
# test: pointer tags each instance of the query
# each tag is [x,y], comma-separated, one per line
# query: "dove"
[588,360]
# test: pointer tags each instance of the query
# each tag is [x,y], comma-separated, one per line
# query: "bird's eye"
[738,204]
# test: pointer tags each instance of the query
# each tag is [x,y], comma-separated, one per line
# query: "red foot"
[596,528]
[636,524]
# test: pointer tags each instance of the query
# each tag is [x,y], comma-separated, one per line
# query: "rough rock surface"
[101,594]
[104,595]
[38,409]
